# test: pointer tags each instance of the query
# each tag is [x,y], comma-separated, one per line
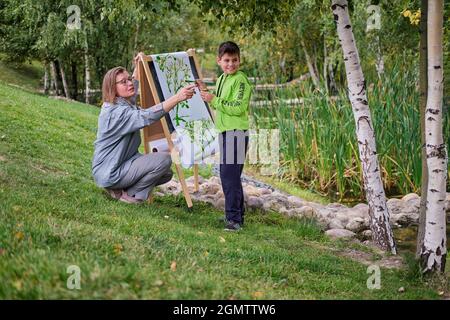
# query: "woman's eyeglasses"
[125,80]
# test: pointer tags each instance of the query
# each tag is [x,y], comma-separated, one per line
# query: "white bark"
[87,69]
[434,250]
[379,66]
[64,81]
[54,77]
[423,84]
[310,65]
[46,78]
[376,198]
[325,65]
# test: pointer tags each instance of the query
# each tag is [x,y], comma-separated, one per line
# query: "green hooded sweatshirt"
[232,102]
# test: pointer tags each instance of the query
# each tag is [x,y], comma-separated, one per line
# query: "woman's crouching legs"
[145,173]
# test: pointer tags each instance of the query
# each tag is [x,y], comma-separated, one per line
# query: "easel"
[159,130]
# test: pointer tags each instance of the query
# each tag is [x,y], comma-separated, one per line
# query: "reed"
[318,146]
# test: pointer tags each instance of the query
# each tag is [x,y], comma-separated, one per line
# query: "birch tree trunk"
[380,61]
[87,69]
[325,65]
[46,81]
[64,81]
[312,71]
[423,84]
[54,77]
[434,250]
[373,185]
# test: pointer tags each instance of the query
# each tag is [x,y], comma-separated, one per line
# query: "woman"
[117,165]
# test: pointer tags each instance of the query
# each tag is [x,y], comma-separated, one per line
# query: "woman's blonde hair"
[109,84]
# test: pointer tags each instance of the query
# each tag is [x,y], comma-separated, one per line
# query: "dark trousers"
[233,149]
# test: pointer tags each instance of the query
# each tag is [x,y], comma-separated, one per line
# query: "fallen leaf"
[222,239]
[206,253]
[158,283]
[200,233]
[18,284]
[19,235]
[173,266]
[118,248]
[257,294]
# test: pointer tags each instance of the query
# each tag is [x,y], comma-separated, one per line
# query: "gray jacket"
[118,139]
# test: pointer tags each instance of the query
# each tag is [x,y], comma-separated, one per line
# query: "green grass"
[52,216]
[27,75]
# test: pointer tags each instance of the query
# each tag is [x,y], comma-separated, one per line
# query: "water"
[406,238]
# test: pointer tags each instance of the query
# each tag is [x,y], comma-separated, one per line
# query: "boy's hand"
[206,96]
[201,85]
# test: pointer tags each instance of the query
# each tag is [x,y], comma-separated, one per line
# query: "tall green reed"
[318,146]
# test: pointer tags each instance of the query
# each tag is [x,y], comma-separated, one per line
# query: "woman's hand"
[136,59]
[185,93]
[206,96]
[135,62]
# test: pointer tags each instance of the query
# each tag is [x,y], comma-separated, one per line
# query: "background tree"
[376,198]
[434,250]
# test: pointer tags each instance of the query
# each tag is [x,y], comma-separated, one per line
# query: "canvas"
[196,137]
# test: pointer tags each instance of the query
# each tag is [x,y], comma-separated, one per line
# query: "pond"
[406,238]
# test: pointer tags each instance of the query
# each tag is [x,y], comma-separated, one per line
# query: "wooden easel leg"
[196,177]
[187,196]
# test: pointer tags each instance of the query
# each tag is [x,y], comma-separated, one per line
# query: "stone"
[340,234]
[171,187]
[356,225]
[215,180]
[335,224]
[336,206]
[343,217]
[362,208]
[254,202]
[220,204]
[307,212]
[399,219]
[396,206]
[219,195]
[410,196]
[295,201]
[252,191]
[210,188]
[191,180]
[274,205]
[326,213]
[207,198]
[366,234]
[265,191]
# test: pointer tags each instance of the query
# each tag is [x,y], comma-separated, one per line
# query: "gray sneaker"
[114,193]
[232,226]
[129,199]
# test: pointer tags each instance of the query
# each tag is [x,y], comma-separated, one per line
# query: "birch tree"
[376,198]
[423,86]
[434,250]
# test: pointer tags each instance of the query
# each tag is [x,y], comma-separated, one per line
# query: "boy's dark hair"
[229,47]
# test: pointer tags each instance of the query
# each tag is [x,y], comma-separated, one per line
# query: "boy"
[231,102]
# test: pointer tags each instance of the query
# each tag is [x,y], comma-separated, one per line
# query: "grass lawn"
[27,75]
[53,216]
